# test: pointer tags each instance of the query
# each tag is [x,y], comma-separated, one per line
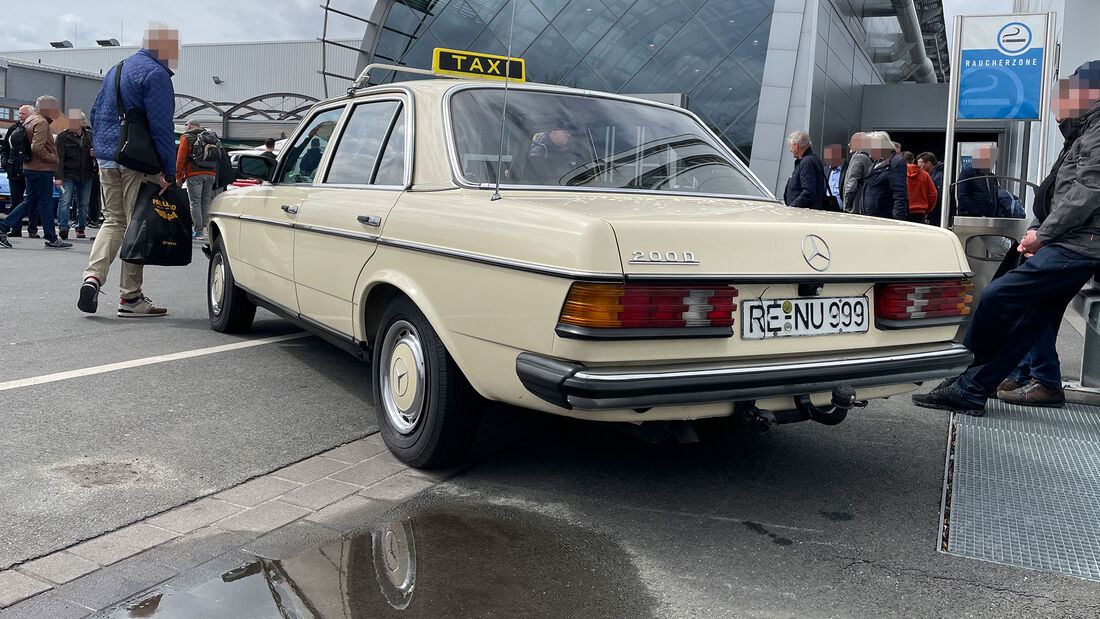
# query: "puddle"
[449,560]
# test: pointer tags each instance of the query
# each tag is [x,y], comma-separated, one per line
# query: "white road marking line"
[123,365]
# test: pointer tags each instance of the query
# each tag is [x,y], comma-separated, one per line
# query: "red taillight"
[630,306]
[932,300]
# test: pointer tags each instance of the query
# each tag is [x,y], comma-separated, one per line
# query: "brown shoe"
[1009,385]
[1035,394]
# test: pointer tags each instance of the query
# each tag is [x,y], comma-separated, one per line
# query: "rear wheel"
[229,308]
[427,412]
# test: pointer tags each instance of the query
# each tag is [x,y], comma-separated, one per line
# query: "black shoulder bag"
[135,144]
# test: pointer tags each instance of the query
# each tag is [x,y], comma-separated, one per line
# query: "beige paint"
[486,314]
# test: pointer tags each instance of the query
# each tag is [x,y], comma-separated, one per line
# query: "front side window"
[363,149]
[565,140]
[304,156]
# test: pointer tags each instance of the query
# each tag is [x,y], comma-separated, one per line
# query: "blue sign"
[1001,73]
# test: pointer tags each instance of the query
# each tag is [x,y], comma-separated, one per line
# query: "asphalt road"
[86,455]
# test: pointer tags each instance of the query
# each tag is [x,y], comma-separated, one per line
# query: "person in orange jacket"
[922,191]
[197,176]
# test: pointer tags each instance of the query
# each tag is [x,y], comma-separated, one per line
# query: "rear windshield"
[564,140]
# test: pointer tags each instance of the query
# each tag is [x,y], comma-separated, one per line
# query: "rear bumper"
[573,386]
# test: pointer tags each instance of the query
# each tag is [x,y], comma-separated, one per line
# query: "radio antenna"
[504,110]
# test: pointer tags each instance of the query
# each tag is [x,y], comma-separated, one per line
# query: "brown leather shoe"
[1009,385]
[1035,394]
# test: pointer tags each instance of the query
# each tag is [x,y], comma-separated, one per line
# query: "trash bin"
[986,240]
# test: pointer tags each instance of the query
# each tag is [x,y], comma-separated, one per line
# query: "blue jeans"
[39,196]
[81,192]
[1014,311]
[1041,363]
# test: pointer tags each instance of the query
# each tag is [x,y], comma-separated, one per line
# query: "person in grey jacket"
[1063,253]
[855,172]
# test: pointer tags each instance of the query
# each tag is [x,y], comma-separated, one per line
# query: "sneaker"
[945,384]
[93,224]
[63,233]
[80,234]
[4,240]
[1034,393]
[1008,385]
[16,233]
[89,295]
[141,307]
[948,400]
[58,244]
[197,236]
[33,235]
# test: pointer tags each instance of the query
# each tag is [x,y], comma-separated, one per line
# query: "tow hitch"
[843,400]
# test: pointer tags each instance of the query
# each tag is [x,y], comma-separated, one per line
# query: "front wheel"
[428,414]
[229,307]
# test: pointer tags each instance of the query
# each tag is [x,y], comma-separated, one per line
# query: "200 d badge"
[663,257]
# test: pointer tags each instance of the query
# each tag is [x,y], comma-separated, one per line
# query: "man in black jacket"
[1026,304]
[806,186]
[978,192]
[12,157]
[75,169]
[930,164]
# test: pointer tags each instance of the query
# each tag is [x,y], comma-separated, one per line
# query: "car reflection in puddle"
[447,560]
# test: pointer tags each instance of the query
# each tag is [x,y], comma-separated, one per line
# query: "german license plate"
[769,318]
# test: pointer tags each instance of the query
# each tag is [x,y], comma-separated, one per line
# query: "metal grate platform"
[1025,488]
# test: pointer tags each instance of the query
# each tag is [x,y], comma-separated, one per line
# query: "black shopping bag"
[159,232]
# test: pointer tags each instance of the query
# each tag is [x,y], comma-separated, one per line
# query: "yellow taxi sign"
[469,64]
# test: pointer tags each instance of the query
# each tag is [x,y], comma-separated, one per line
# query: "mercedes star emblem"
[816,252]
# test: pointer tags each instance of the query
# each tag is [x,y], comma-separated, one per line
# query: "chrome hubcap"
[217,284]
[402,376]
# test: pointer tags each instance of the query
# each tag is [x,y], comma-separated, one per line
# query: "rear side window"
[371,149]
[304,156]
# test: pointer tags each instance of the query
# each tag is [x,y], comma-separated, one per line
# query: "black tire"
[428,414]
[229,307]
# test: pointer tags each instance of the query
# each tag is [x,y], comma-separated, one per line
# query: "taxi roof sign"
[470,64]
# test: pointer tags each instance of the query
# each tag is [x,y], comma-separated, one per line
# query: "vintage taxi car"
[628,268]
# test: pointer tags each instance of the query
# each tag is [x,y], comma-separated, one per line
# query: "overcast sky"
[206,21]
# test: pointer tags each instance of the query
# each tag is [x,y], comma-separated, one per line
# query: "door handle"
[370,220]
[290,208]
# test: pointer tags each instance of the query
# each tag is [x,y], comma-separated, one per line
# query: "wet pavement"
[427,559]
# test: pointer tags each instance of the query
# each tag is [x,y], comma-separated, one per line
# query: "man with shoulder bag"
[38,172]
[134,141]
[15,149]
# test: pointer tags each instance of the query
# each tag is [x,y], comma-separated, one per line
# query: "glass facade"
[711,50]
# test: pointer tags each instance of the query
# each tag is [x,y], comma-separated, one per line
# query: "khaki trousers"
[119,191]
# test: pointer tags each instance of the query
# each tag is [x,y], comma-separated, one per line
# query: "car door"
[269,212]
[340,220]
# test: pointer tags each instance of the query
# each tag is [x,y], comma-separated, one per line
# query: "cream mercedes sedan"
[628,267]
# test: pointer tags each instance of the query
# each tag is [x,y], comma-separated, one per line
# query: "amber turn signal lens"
[633,306]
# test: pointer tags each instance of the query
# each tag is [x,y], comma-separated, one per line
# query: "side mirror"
[254,166]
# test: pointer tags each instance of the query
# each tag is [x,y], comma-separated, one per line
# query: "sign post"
[1002,69]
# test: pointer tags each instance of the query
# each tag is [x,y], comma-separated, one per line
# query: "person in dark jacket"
[75,168]
[977,192]
[145,83]
[1023,308]
[885,190]
[12,161]
[806,186]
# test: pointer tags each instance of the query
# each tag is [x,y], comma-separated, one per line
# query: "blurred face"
[834,155]
[25,112]
[50,109]
[75,122]
[164,44]
[984,159]
[1074,97]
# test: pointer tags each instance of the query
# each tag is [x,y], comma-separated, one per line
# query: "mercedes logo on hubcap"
[401,371]
[816,252]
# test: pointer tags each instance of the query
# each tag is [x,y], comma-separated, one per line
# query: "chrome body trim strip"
[358,236]
[502,262]
[270,222]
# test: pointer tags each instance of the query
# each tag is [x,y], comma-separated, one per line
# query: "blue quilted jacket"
[147,85]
